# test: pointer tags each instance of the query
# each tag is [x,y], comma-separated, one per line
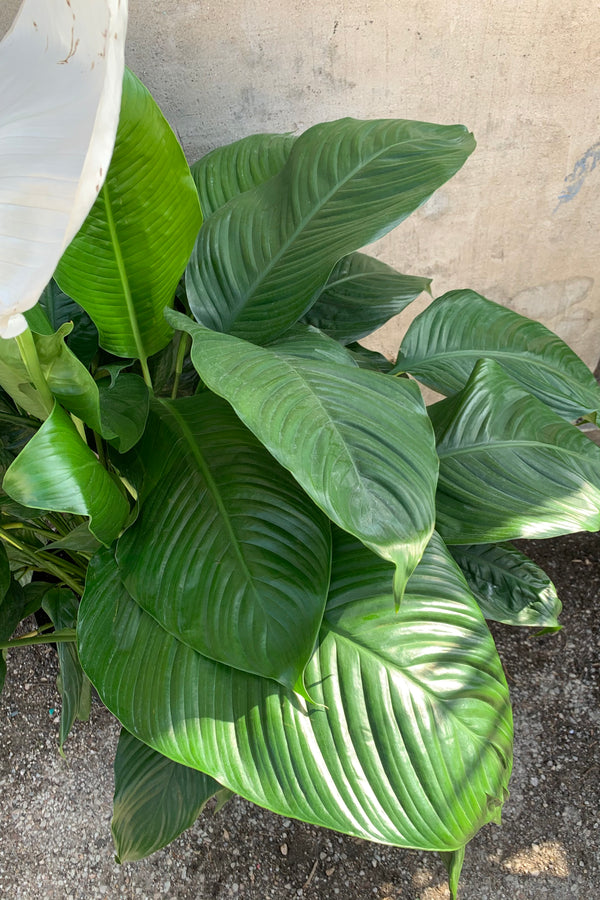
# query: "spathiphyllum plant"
[272,561]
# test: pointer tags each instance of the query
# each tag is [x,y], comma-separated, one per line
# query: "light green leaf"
[369,359]
[235,168]
[360,296]
[261,260]
[73,684]
[509,586]
[239,568]
[443,344]
[125,263]
[410,743]
[342,433]
[155,799]
[509,466]
[453,862]
[57,471]
[80,539]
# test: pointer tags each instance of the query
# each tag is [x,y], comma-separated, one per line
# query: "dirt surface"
[55,833]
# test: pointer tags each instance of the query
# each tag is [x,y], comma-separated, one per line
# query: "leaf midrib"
[385,663]
[465,449]
[305,221]
[214,492]
[485,353]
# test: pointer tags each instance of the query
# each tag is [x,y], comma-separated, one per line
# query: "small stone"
[329,872]
[284,849]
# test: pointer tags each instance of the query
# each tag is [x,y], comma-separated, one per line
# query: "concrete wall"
[519,223]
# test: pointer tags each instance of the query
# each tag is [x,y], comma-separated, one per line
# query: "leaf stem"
[43,564]
[135,328]
[30,358]
[184,342]
[65,636]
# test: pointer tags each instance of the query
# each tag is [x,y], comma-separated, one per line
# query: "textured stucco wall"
[519,223]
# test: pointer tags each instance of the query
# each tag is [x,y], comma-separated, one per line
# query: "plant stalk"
[30,357]
[66,636]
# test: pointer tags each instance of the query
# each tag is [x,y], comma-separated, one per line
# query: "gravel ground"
[56,841]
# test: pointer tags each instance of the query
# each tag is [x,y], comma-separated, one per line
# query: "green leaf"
[360,296]
[73,684]
[5,576]
[124,404]
[509,586]
[509,466]
[155,799]
[443,344]
[261,260]
[235,168]
[60,308]
[57,471]
[124,264]
[369,359]
[453,862]
[410,744]
[341,431]
[80,539]
[238,568]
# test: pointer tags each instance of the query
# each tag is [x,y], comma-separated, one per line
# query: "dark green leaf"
[237,567]
[12,608]
[369,359]
[360,296]
[410,743]
[509,466]
[60,308]
[509,586]
[155,800]
[443,344]
[124,405]
[235,168]
[74,686]
[57,471]
[261,260]
[80,539]
[341,431]
[124,264]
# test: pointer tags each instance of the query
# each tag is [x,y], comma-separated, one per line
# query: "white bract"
[61,75]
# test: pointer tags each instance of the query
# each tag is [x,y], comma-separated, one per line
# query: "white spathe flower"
[61,76]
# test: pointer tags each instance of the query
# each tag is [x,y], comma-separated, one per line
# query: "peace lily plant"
[272,561]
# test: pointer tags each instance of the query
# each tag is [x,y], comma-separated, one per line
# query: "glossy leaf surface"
[125,263]
[155,799]
[411,745]
[443,344]
[360,296]
[57,471]
[261,260]
[235,168]
[239,567]
[509,586]
[509,466]
[341,431]
[61,308]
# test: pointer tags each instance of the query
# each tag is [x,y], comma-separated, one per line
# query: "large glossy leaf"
[412,742]
[155,799]
[509,586]
[61,68]
[125,263]
[261,260]
[227,553]
[235,168]
[341,431]
[443,344]
[57,471]
[509,466]
[73,684]
[361,294]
